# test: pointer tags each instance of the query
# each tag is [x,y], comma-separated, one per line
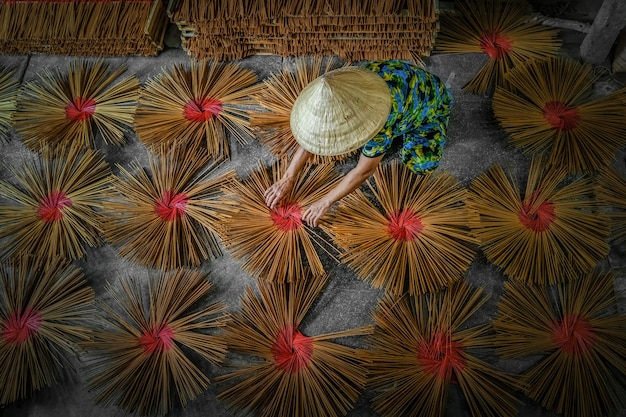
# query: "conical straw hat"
[340,111]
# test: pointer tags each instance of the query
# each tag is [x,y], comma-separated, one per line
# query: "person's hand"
[313,214]
[278,191]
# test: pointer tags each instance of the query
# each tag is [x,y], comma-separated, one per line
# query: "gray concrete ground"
[475,142]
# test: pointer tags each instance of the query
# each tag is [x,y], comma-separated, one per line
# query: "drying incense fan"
[546,106]
[43,315]
[144,357]
[197,105]
[421,346]
[276,244]
[277,96]
[581,338]
[553,231]
[54,207]
[412,237]
[288,373]
[68,109]
[8,99]
[168,216]
[502,30]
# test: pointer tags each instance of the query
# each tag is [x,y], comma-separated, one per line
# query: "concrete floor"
[475,142]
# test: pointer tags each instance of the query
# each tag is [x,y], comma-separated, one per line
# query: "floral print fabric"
[420,109]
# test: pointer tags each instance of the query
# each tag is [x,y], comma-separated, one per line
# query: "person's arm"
[364,168]
[282,187]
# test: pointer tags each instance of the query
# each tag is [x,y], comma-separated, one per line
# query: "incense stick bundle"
[145,358]
[289,373]
[546,106]
[43,315]
[68,109]
[535,237]
[83,28]
[362,8]
[207,11]
[361,30]
[199,104]
[611,189]
[168,216]
[8,99]
[580,336]
[413,237]
[275,243]
[357,30]
[279,93]
[53,209]
[502,30]
[421,345]
[226,30]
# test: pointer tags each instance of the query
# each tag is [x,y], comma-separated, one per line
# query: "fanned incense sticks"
[167,216]
[580,336]
[54,208]
[421,346]
[535,237]
[290,373]
[8,99]
[143,359]
[68,109]
[277,96]
[502,30]
[83,28]
[413,237]
[44,313]
[276,244]
[199,104]
[611,189]
[546,106]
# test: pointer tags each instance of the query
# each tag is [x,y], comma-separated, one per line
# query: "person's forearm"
[365,167]
[281,188]
[353,179]
[297,163]
[349,183]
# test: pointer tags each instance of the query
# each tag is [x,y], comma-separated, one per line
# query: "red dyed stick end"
[158,339]
[292,350]
[538,220]
[287,217]
[51,206]
[21,326]
[171,206]
[202,110]
[404,225]
[495,44]
[573,334]
[80,109]
[441,355]
[560,116]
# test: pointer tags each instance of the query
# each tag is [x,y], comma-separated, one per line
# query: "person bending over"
[368,108]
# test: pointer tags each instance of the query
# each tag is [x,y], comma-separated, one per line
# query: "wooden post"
[609,21]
